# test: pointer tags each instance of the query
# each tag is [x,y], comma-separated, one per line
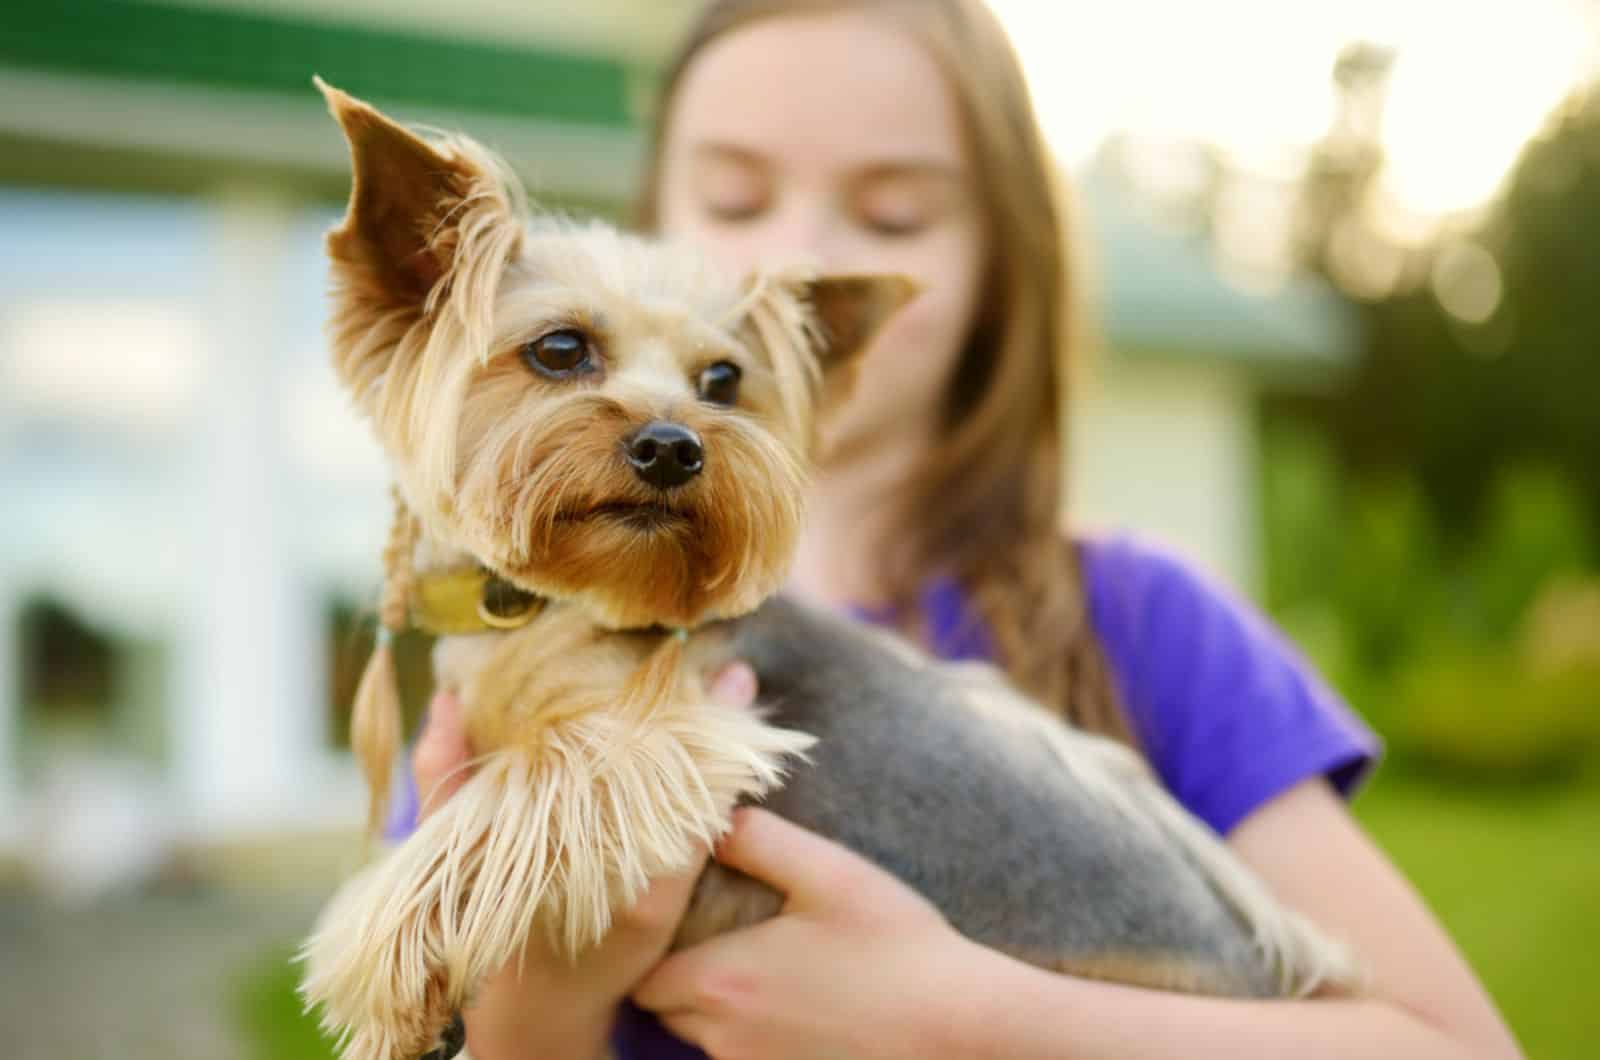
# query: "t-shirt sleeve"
[1228,711]
[402,804]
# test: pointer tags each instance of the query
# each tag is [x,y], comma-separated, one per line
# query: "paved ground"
[146,978]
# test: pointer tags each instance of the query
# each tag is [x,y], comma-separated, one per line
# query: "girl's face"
[835,138]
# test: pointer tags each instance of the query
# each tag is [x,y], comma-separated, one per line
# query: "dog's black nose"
[665,455]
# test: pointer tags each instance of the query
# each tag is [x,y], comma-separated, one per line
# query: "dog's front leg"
[397,951]
[550,838]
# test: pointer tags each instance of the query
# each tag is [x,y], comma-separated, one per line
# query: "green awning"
[253,51]
[133,96]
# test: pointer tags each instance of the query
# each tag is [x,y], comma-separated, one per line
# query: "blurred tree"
[1433,525]
[1483,341]
[1343,167]
[67,663]
[1545,234]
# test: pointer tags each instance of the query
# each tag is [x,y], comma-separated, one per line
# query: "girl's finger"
[440,751]
[734,685]
[686,1024]
[673,985]
[805,867]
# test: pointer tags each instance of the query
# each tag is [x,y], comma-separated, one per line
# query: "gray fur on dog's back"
[976,808]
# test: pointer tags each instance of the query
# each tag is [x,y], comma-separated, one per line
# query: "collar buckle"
[470,600]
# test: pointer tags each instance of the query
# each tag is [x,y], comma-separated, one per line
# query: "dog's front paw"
[432,1032]
[451,1042]
[388,1043]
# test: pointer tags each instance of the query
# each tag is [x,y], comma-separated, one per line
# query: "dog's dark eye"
[719,383]
[560,353]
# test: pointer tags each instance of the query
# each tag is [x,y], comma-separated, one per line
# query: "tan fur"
[602,762]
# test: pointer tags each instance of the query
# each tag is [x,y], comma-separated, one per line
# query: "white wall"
[190,490]
[1167,447]
[246,725]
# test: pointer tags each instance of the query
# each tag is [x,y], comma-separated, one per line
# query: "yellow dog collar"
[470,600]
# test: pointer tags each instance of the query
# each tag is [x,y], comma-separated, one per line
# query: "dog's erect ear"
[405,203]
[800,315]
[849,311]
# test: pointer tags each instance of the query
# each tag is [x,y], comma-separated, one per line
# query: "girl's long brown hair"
[986,504]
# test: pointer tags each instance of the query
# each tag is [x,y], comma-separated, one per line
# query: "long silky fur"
[550,838]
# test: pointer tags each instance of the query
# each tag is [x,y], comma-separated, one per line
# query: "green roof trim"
[269,53]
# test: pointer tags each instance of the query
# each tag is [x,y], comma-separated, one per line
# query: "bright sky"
[1472,81]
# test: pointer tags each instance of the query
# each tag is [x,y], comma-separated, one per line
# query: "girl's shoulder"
[1228,711]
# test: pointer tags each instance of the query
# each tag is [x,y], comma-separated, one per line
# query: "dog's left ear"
[828,318]
[831,317]
[848,311]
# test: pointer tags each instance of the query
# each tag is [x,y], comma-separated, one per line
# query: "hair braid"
[375,716]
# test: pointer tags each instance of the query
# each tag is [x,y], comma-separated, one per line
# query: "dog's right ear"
[408,202]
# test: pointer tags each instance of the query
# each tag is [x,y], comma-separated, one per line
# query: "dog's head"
[596,417]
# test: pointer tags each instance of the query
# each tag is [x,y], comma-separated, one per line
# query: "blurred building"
[187,494]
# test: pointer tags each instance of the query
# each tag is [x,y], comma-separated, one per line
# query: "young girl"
[897,136]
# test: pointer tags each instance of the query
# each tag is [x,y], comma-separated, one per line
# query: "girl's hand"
[555,1007]
[856,965]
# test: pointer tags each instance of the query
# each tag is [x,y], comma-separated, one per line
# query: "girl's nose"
[814,233]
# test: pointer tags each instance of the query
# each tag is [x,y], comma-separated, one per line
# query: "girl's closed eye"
[894,219]
[731,208]
[903,203]
[732,188]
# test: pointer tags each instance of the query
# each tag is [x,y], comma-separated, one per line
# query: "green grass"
[268,1009]
[1514,873]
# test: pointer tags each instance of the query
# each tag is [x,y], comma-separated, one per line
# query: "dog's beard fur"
[558,511]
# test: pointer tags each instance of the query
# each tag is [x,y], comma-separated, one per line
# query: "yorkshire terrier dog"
[600,446]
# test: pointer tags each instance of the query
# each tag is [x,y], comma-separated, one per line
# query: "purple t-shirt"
[1227,711]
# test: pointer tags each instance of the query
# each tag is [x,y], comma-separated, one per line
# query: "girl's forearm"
[1022,1013]
[511,1021]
